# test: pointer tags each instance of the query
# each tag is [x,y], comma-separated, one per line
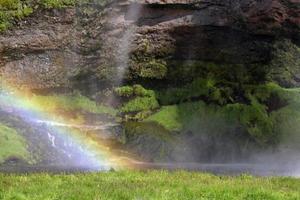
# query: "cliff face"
[214,70]
[152,39]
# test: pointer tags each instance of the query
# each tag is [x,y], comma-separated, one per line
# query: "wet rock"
[91,46]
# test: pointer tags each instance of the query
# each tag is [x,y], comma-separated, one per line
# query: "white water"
[77,126]
[123,51]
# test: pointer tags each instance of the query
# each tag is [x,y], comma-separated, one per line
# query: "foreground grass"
[146,185]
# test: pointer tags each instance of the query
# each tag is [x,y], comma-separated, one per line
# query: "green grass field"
[134,185]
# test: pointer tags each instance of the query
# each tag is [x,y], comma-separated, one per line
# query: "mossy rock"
[285,64]
[149,140]
[12,145]
[138,102]
[149,68]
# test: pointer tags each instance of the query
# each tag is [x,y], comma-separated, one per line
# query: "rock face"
[219,53]
[93,45]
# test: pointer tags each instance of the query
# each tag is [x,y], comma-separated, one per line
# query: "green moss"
[49,4]
[168,117]
[11,10]
[142,92]
[139,101]
[125,91]
[148,67]
[285,63]
[146,128]
[12,145]
[134,91]
[153,69]
[287,125]
[257,122]
[199,88]
[198,116]
[140,104]
[233,74]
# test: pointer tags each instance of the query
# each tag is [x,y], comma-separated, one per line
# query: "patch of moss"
[12,145]
[145,128]
[11,10]
[134,91]
[168,117]
[285,64]
[140,104]
[149,140]
[149,68]
[199,88]
[49,4]
[139,101]
[233,74]
[257,120]
[125,91]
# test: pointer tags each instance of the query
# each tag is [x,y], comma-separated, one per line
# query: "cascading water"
[124,47]
[66,145]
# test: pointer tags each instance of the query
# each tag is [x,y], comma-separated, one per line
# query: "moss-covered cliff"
[208,79]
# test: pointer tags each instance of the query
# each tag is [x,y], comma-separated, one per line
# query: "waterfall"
[123,49]
[52,139]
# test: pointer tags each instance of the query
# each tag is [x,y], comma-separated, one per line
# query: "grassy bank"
[146,185]
[12,145]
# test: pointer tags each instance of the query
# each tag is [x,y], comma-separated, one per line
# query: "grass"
[134,185]
[12,145]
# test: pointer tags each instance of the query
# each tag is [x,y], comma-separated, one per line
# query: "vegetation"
[199,88]
[11,10]
[68,103]
[146,185]
[137,99]
[135,90]
[140,104]
[12,145]
[57,3]
[269,108]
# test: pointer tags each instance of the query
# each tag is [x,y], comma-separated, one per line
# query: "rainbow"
[83,149]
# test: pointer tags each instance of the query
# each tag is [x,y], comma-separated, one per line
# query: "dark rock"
[91,46]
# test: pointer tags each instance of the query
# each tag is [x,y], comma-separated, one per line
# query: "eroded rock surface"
[93,45]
